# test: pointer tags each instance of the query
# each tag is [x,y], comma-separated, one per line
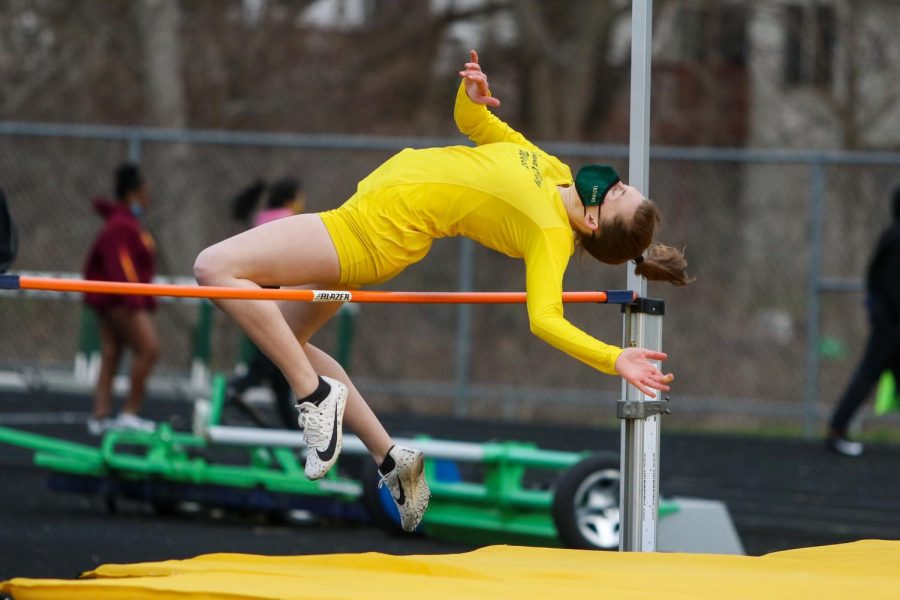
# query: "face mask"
[593,181]
[137,210]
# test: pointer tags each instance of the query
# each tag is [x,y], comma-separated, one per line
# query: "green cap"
[593,181]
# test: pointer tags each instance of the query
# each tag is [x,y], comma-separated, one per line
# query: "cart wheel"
[586,505]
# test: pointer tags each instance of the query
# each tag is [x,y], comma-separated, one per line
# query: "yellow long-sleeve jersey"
[501,193]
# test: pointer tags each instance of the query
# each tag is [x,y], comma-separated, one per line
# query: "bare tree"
[866,92]
[65,61]
[829,75]
[563,50]
[159,25]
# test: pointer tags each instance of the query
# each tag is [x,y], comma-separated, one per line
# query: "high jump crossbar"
[52,284]
[642,327]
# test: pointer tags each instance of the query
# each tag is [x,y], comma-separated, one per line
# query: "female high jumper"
[504,193]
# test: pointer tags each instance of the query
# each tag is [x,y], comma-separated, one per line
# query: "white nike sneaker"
[98,426]
[322,429]
[407,484]
[132,422]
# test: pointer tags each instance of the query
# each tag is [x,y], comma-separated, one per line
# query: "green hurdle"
[482,493]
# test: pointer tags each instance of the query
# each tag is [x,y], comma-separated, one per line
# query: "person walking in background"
[284,198]
[883,347]
[123,251]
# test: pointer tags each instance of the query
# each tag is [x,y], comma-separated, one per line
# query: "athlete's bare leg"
[305,319]
[290,252]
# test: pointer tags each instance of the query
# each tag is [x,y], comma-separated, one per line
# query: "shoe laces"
[313,423]
[384,480]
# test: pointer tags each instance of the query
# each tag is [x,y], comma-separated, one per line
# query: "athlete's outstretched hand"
[635,367]
[476,83]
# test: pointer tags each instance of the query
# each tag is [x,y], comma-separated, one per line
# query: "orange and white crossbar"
[52,284]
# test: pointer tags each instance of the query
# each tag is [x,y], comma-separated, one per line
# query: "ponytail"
[243,205]
[618,242]
[664,263]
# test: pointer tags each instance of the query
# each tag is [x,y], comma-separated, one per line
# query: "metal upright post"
[639,495]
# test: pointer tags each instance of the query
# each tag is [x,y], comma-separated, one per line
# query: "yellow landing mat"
[868,569]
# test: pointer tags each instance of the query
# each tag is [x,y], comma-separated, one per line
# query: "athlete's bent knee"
[207,269]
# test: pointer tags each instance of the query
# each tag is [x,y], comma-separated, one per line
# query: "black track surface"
[782,494]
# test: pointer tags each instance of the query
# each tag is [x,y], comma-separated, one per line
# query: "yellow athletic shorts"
[373,244]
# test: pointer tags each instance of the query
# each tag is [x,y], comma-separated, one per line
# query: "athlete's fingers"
[473,75]
[658,386]
[646,390]
[654,355]
[642,385]
[481,85]
[660,381]
[473,56]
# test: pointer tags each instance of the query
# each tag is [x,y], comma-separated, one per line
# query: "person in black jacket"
[8,240]
[883,348]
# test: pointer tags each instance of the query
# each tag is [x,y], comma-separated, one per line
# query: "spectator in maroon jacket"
[123,251]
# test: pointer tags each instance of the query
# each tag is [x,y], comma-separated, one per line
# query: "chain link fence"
[766,336]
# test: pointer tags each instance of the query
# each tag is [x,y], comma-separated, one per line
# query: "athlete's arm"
[476,84]
[544,270]
[470,112]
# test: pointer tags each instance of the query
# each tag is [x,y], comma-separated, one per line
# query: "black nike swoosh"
[332,444]
[401,500]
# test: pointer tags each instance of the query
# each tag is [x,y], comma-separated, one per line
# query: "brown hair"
[618,241]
